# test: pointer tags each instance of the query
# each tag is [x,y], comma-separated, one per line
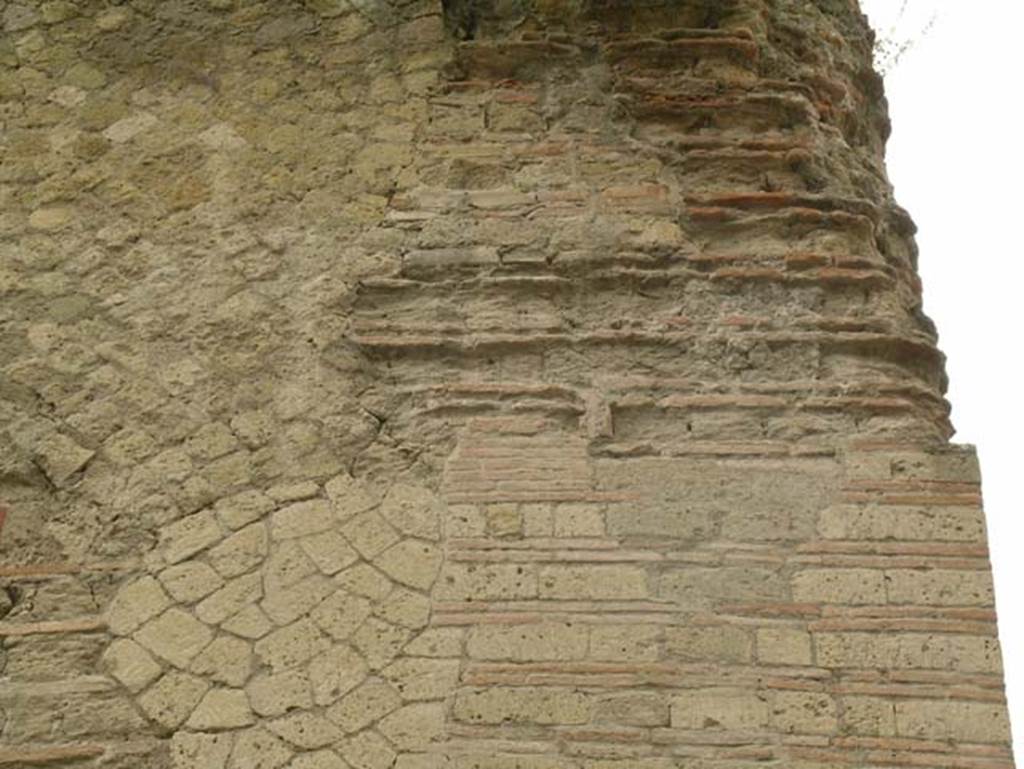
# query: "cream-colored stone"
[405,608]
[240,552]
[256,748]
[183,539]
[366,581]
[437,642]
[287,565]
[852,586]
[722,643]
[350,496]
[292,492]
[370,534]
[175,636]
[952,720]
[249,623]
[226,660]
[535,642]
[720,708]
[301,519]
[329,551]
[291,646]
[626,643]
[368,750]
[940,587]
[200,751]
[578,521]
[335,673]
[134,604]
[364,705]
[411,562]
[633,709]
[230,599]
[221,709]
[305,730]
[464,521]
[318,759]
[600,582]
[277,693]
[285,604]
[501,705]
[414,726]
[538,520]
[423,679]
[170,700]
[130,664]
[379,642]
[341,614]
[242,509]
[804,713]
[504,520]
[128,128]
[414,511]
[189,581]
[783,646]
[486,582]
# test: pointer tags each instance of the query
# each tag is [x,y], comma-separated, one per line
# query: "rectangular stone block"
[541,642]
[845,586]
[967,654]
[626,643]
[593,582]
[718,643]
[940,587]
[885,522]
[952,720]
[702,587]
[528,705]
[720,708]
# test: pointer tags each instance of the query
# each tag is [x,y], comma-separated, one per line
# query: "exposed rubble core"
[473,384]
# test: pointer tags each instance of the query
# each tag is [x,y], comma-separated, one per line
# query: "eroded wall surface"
[472,385]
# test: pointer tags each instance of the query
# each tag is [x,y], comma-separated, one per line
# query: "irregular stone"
[276,694]
[302,519]
[411,562]
[128,128]
[241,551]
[329,551]
[136,603]
[319,759]
[283,605]
[335,673]
[200,751]
[287,566]
[230,599]
[183,539]
[366,581]
[414,511]
[414,726]
[221,709]
[349,496]
[365,705]
[370,534]
[305,730]
[368,750]
[291,646]
[405,608]
[379,642]
[256,748]
[225,660]
[189,581]
[249,623]
[423,679]
[170,700]
[341,614]
[241,509]
[175,636]
[130,664]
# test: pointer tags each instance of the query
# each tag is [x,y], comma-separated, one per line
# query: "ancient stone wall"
[477,384]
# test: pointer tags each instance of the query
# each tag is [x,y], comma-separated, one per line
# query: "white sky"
[955,160]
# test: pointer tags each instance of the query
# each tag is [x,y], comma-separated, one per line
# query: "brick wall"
[473,385]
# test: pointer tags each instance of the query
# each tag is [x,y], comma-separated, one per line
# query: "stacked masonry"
[474,385]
